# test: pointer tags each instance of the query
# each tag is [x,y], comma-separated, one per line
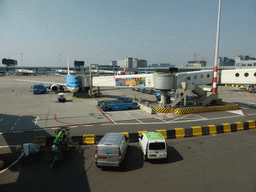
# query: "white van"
[111,150]
[153,146]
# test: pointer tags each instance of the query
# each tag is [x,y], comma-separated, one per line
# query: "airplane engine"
[54,87]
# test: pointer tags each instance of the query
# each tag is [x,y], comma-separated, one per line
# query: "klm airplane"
[71,83]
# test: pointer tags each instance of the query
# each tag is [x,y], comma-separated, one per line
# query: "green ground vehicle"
[60,147]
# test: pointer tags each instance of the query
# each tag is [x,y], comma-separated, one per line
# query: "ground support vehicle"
[153,146]
[38,88]
[119,106]
[149,91]
[60,146]
[111,150]
[119,100]
[61,97]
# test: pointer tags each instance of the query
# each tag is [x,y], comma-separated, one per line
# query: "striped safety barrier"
[163,110]
[195,131]
[205,109]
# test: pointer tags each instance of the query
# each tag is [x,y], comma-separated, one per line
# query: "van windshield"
[156,146]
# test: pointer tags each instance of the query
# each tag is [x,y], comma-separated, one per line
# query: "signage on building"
[130,82]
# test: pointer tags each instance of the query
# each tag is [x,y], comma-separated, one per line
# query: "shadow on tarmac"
[173,156]
[37,174]
[69,175]
[132,161]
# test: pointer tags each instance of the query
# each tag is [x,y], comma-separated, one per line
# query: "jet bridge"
[162,81]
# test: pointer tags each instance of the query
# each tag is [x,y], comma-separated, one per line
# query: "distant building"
[224,61]
[113,63]
[132,63]
[245,61]
[126,62]
[107,67]
[78,64]
[9,62]
[137,63]
[196,64]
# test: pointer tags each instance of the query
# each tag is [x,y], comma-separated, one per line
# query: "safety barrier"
[175,133]
[163,110]
[204,109]
[89,139]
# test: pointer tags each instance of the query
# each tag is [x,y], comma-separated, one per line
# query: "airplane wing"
[60,84]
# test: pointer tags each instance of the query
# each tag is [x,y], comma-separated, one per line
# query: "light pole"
[61,61]
[214,86]
[21,54]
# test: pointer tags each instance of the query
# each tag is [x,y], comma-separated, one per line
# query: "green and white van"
[153,146]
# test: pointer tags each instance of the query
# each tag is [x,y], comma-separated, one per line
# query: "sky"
[100,31]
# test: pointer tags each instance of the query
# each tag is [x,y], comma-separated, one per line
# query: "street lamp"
[21,54]
[214,87]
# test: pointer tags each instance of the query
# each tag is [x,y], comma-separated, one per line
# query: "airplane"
[71,83]
[63,72]
[111,72]
[25,72]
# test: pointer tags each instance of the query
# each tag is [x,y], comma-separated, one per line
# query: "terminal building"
[224,61]
[196,64]
[130,63]
[245,61]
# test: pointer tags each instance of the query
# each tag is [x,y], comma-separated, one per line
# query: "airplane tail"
[124,69]
[68,65]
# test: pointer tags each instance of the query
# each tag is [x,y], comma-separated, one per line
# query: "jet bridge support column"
[164,82]
[163,101]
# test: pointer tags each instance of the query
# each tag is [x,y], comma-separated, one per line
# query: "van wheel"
[129,108]
[109,109]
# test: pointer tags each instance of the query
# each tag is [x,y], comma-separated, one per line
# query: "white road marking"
[38,130]
[1,119]
[110,118]
[16,123]
[12,163]
[239,112]
[36,119]
[160,119]
[133,117]
[5,146]
[18,131]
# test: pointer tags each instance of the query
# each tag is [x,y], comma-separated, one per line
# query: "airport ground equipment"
[119,100]
[203,98]
[120,104]
[38,88]
[60,146]
[61,97]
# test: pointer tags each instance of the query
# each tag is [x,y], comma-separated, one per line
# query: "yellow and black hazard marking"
[164,110]
[205,109]
[195,131]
